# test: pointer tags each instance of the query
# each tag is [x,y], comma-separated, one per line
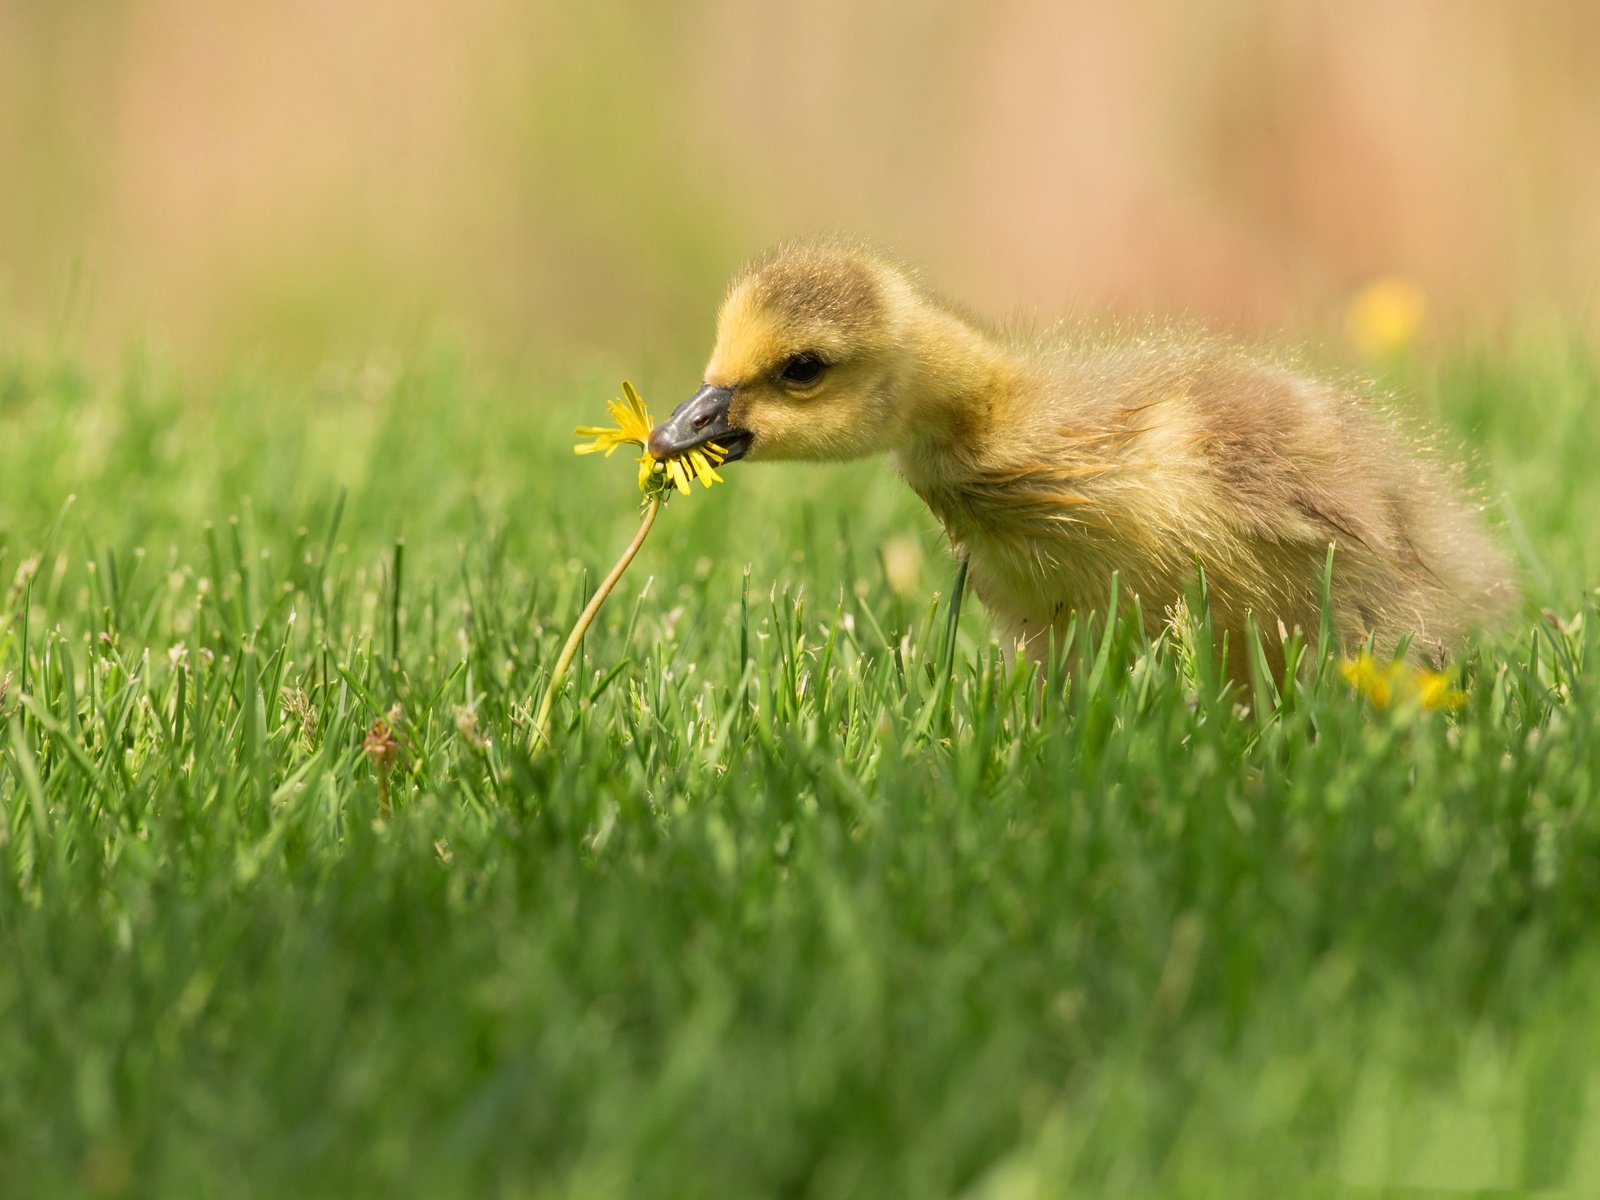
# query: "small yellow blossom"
[633,424]
[902,565]
[1388,683]
[1386,316]
[633,429]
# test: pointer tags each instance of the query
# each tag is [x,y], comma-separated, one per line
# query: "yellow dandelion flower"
[657,478]
[1384,684]
[1367,677]
[633,425]
[1385,316]
[1436,690]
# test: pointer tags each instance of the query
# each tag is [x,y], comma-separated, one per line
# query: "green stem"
[541,723]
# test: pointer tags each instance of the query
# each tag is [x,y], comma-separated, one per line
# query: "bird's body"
[1156,460]
[1055,464]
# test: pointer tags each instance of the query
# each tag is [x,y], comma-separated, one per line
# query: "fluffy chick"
[1055,463]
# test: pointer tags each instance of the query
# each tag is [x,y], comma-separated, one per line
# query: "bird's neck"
[959,377]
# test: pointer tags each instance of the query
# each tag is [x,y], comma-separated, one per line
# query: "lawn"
[814,895]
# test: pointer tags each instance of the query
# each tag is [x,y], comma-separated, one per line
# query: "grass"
[815,895]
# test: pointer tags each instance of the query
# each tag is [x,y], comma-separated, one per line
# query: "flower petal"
[703,470]
[679,475]
[632,415]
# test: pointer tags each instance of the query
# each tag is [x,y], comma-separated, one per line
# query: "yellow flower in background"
[632,428]
[902,565]
[1385,316]
[1388,683]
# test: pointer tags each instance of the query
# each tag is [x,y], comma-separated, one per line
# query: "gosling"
[1055,464]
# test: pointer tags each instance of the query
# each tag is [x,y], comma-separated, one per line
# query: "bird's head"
[819,355]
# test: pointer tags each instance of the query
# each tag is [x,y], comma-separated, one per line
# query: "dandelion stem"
[541,723]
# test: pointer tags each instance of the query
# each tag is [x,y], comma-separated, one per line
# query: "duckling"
[1055,463]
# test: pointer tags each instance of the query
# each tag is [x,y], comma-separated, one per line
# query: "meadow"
[814,894]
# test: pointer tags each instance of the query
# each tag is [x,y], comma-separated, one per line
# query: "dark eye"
[802,368]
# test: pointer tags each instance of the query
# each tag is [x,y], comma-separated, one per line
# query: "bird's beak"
[702,418]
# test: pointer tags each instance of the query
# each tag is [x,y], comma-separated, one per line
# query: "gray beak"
[702,418]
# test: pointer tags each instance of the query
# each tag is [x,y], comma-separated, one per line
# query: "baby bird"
[1053,464]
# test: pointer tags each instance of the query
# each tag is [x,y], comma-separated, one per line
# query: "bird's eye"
[802,368]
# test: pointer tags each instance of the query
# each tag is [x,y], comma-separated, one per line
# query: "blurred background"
[574,181]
